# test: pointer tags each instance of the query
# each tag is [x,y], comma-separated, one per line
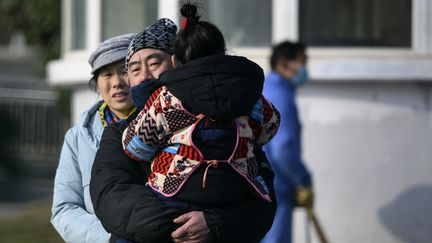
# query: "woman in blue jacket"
[72,210]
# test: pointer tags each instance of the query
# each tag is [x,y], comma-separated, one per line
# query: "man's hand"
[194,228]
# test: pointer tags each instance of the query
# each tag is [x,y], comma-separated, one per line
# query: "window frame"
[326,64]
[72,68]
[363,63]
[92,28]
[352,64]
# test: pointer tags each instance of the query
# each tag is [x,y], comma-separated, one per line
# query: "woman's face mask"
[301,77]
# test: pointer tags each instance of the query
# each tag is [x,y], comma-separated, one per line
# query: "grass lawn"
[31,224]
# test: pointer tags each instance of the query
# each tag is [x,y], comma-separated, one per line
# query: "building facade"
[366,114]
[33,123]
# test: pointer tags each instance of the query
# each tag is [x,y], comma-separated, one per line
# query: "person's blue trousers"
[281,230]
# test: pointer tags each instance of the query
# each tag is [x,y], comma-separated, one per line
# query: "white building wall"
[368,146]
[82,99]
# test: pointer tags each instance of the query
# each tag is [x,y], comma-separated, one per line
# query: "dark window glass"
[245,23]
[78,24]
[121,17]
[376,23]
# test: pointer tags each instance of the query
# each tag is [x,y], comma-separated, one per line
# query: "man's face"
[147,64]
[302,58]
[289,68]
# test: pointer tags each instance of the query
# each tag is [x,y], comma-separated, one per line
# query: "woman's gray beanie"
[110,51]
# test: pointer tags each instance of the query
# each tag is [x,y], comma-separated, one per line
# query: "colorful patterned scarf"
[108,117]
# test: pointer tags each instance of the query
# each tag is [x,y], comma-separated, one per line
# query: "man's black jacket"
[120,199]
[122,203]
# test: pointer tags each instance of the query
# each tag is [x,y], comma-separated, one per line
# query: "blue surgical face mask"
[301,77]
[142,91]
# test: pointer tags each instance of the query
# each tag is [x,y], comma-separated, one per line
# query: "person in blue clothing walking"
[292,181]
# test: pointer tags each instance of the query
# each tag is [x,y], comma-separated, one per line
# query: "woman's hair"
[196,38]
[93,81]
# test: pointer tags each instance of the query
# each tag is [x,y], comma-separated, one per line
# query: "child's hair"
[285,50]
[196,38]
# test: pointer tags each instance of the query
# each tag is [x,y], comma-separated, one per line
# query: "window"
[245,23]
[371,23]
[121,17]
[78,24]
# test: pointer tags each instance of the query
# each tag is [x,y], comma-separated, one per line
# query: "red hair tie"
[184,22]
